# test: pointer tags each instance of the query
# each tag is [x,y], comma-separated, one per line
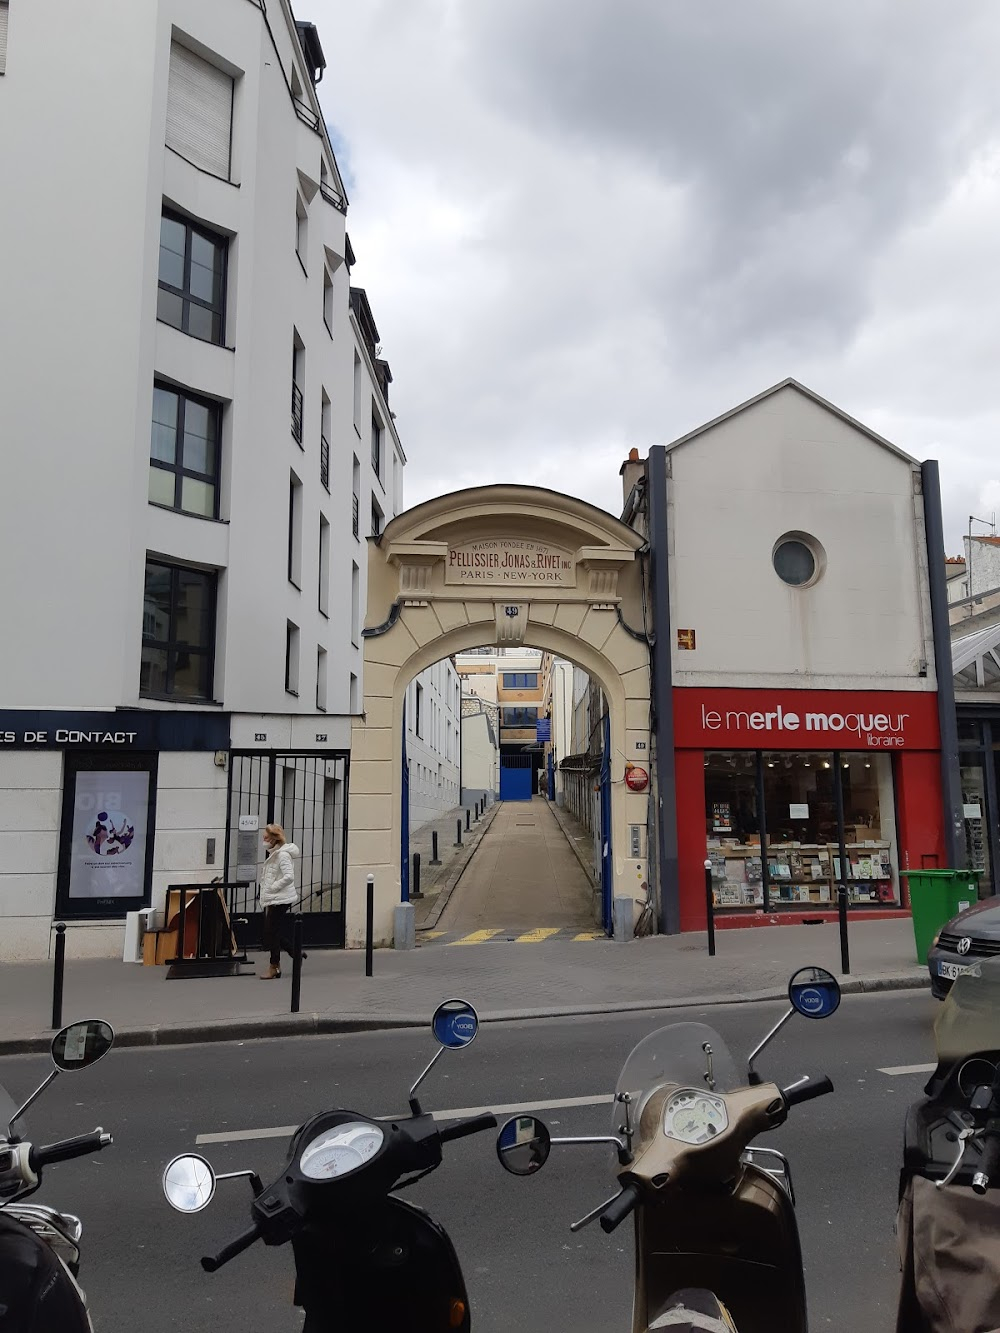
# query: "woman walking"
[278,894]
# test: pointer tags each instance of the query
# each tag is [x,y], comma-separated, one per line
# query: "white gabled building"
[197,445]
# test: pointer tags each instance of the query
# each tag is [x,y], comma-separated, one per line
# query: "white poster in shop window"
[108,856]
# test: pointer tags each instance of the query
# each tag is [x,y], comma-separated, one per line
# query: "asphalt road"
[524,1268]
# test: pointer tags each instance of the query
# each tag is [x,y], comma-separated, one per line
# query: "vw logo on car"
[964,944]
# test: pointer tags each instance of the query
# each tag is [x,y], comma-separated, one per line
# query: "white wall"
[982,563]
[434,754]
[562,719]
[788,464]
[480,757]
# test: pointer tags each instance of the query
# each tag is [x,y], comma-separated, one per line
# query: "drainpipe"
[951,787]
[668,895]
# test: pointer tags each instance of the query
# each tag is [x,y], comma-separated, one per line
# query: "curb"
[458,869]
[588,869]
[319,1025]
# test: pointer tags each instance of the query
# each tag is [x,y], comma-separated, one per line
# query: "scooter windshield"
[7,1109]
[676,1054]
[970,1019]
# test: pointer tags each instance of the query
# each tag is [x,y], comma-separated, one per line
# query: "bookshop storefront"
[792,793]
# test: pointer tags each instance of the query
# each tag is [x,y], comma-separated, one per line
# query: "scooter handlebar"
[620,1207]
[989,1164]
[462,1128]
[66,1149]
[242,1242]
[806,1090]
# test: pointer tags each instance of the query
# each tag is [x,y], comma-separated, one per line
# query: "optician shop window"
[774,833]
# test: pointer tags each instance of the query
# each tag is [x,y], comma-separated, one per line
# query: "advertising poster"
[108,854]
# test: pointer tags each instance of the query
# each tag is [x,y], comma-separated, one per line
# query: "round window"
[794,562]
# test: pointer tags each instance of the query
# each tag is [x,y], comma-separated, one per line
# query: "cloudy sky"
[589,226]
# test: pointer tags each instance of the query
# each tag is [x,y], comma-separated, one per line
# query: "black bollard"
[296,963]
[369,924]
[468,819]
[458,833]
[415,877]
[710,908]
[845,951]
[435,859]
[57,975]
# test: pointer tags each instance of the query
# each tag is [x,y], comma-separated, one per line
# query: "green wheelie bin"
[935,897]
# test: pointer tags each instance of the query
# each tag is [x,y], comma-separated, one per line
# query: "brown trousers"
[949,1251]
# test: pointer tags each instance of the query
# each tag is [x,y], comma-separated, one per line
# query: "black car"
[973,934]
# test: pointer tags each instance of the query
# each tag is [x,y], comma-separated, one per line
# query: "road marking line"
[590,935]
[477,937]
[537,935]
[455,1113]
[909,1069]
[431,934]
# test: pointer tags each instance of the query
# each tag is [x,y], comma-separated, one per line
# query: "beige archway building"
[505,565]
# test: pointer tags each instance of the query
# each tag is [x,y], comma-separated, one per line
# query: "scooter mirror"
[523,1145]
[814,992]
[81,1044]
[189,1183]
[455,1023]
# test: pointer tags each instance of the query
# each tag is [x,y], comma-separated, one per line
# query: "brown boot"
[272,974]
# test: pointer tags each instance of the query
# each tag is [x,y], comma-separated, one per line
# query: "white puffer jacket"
[277,879]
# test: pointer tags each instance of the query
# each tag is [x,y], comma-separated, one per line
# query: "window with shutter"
[3,36]
[199,111]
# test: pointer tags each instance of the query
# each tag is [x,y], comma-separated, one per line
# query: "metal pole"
[369,924]
[435,859]
[57,975]
[668,896]
[296,963]
[841,879]
[710,908]
[845,948]
[458,833]
[415,877]
[468,819]
[951,786]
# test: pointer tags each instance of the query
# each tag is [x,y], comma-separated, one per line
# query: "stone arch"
[505,565]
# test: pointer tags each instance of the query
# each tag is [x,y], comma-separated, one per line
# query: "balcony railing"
[324,461]
[296,413]
[356,519]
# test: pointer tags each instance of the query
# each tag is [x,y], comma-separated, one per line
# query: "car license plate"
[953,970]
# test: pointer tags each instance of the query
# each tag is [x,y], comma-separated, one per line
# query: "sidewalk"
[438,881]
[504,980]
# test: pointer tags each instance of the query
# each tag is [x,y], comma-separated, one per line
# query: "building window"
[798,559]
[376,445]
[520,717]
[418,712]
[324,566]
[328,302]
[3,36]
[325,430]
[199,111]
[376,519]
[355,603]
[184,452]
[357,393]
[292,658]
[294,530]
[298,380]
[520,680]
[178,632]
[191,295]
[356,481]
[321,660]
[301,232]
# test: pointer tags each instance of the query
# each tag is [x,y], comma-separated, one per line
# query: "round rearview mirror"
[82,1044]
[455,1023]
[523,1145]
[189,1183]
[814,992]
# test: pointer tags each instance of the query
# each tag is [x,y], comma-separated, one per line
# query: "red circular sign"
[636,779]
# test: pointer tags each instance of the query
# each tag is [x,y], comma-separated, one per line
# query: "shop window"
[733,827]
[974,814]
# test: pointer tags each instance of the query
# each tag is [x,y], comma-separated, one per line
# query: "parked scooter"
[949,1212]
[40,1247]
[716,1240]
[364,1258]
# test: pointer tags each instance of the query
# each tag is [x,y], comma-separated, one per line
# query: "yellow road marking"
[590,935]
[431,934]
[534,936]
[477,937]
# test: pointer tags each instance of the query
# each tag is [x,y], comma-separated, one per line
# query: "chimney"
[631,470]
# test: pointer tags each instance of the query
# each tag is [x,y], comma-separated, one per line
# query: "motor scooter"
[40,1246]
[716,1241]
[364,1258]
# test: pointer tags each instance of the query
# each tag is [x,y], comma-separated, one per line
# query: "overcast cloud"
[589,226]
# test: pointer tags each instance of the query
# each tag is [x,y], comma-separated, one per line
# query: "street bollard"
[57,975]
[710,908]
[845,951]
[458,833]
[415,877]
[369,924]
[435,859]
[296,963]
[468,819]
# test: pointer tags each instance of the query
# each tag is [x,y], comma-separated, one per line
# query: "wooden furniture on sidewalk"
[197,939]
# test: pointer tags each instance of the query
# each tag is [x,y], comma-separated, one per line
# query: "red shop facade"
[791,794]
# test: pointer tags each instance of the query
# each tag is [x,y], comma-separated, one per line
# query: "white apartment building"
[434,742]
[198,446]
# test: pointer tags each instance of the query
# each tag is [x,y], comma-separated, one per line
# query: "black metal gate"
[306,793]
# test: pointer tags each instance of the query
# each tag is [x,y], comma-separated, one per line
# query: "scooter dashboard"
[694,1117]
[336,1152]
